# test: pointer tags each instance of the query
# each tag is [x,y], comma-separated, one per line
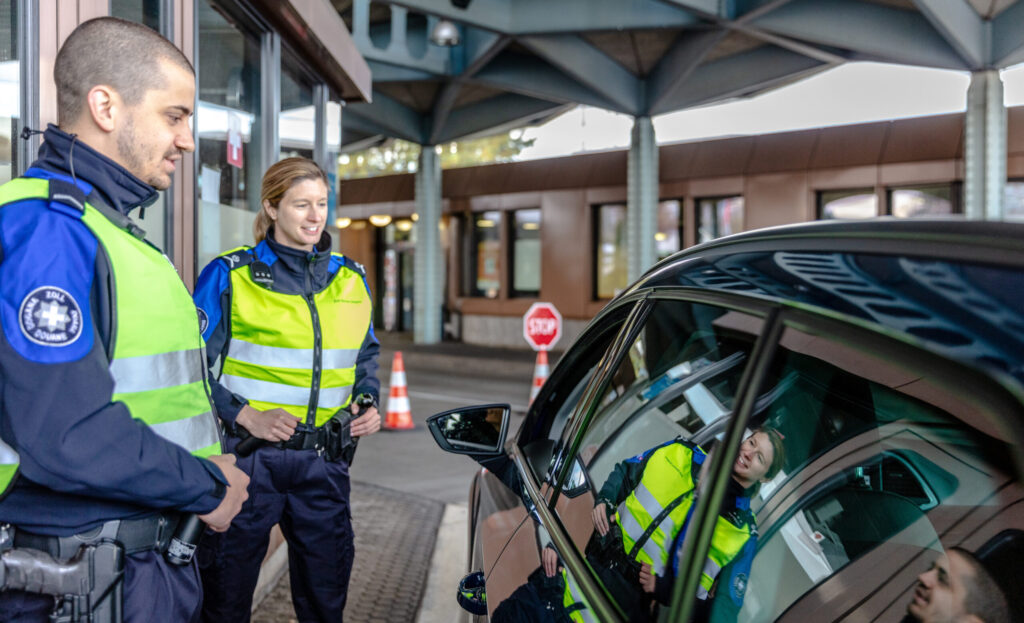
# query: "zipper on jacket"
[314,390]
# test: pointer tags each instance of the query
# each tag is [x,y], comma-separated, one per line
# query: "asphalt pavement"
[409,497]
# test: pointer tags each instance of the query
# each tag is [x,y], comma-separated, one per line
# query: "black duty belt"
[304,440]
[134,535]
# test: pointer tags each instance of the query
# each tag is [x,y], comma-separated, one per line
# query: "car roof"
[954,286]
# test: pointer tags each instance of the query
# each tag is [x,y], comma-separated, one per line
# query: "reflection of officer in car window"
[652,497]
[957,588]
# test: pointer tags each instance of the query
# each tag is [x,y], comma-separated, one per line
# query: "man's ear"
[104,105]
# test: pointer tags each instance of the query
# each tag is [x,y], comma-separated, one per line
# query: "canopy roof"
[523,61]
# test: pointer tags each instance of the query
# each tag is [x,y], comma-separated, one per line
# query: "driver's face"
[940,591]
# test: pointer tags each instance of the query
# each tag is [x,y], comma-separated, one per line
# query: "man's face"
[941,591]
[153,135]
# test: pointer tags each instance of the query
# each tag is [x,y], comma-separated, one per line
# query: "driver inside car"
[643,510]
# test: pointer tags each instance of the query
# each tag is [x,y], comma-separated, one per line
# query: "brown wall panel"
[565,252]
[844,178]
[782,152]
[676,161]
[924,138]
[850,146]
[724,157]
[776,200]
[917,172]
[1015,130]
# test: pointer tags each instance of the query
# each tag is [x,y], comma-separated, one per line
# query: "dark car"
[875,368]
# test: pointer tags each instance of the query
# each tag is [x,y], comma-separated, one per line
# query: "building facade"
[555,230]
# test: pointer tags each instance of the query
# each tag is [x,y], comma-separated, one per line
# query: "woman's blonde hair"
[280,177]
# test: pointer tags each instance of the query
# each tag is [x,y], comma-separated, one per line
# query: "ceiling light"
[445,34]
[404,225]
[415,217]
[485,223]
[380,220]
[342,222]
[358,225]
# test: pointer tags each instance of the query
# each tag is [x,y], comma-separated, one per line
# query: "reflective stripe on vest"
[9,462]
[271,358]
[573,596]
[158,365]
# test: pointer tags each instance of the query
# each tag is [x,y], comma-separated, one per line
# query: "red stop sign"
[542,326]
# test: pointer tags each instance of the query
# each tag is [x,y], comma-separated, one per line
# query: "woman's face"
[300,216]
[754,459]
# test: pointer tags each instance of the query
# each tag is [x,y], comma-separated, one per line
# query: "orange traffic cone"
[540,373]
[398,416]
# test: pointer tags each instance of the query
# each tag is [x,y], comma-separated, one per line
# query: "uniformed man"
[107,427]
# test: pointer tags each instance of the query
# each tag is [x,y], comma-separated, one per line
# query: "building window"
[483,268]
[847,204]
[526,252]
[718,216]
[925,200]
[668,238]
[296,126]
[228,123]
[1014,203]
[610,262]
[146,12]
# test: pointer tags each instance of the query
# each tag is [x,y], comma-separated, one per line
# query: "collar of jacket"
[64,153]
[291,265]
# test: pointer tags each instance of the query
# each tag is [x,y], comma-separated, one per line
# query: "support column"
[985,147]
[429,268]
[642,205]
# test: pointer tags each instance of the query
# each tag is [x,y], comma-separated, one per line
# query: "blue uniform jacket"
[84,460]
[294,272]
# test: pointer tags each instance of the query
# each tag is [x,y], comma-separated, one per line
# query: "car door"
[507,540]
[897,460]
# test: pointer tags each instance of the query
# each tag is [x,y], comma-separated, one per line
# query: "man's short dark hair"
[983,598]
[114,52]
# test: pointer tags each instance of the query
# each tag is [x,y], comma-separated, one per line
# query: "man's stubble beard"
[133,154]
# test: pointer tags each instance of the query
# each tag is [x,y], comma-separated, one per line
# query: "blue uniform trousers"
[309,497]
[154,591]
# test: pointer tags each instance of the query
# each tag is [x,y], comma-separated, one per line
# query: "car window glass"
[639,461]
[886,471]
[548,415]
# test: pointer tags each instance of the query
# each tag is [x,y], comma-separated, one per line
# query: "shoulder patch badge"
[739,585]
[204,320]
[50,316]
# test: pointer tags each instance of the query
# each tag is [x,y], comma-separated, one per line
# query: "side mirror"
[477,431]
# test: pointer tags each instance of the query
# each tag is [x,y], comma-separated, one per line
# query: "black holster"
[339,443]
[88,587]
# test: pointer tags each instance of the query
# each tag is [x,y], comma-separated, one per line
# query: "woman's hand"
[366,424]
[271,425]
[550,559]
[600,516]
[647,577]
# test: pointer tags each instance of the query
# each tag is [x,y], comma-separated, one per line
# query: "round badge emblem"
[50,316]
[204,320]
[739,584]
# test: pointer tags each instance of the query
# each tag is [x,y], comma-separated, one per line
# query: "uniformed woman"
[290,342]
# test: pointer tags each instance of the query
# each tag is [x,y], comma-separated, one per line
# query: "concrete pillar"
[642,205]
[985,147]
[428,290]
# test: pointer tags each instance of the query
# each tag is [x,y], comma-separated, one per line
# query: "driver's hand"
[600,516]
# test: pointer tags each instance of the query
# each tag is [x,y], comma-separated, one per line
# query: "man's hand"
[550,559]
[220,518]
[366,424]
[600,516]
[647,577]
[271,425]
